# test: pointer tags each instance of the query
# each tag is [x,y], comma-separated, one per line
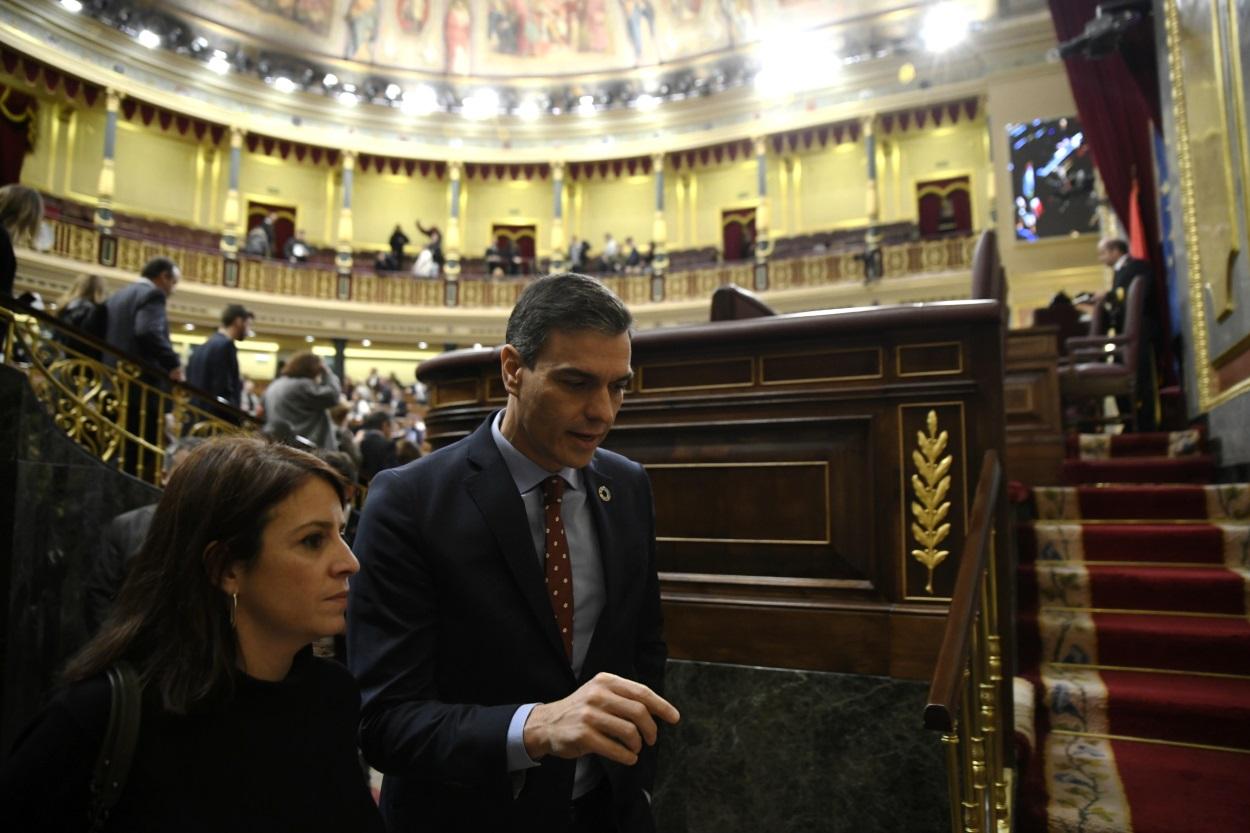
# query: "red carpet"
[1134,639]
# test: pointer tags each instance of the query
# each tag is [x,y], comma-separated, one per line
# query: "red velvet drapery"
[1117,99]
[944,206]
[17,132]
[284,223]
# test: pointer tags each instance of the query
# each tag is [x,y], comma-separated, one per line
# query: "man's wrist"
[518,755]
[535,735]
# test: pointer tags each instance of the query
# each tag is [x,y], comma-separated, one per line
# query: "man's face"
[241,328]
[166,281]
[1108,255]
[561,409]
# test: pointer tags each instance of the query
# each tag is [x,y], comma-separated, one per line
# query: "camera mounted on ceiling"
[1102,36]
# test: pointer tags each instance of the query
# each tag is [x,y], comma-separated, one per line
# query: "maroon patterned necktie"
[559,569]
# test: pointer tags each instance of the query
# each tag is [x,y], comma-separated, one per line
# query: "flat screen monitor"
[1052,179]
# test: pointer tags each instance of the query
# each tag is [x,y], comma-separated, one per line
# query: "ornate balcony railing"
[106,401]
[129,252]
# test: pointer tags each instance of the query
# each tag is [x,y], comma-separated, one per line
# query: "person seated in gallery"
[633,257]
[296,250]
[239,726]
[257,243]
[425,266]
[494,259]
[397,242]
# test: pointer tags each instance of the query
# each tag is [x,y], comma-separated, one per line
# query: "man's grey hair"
[182,445]
[567,302]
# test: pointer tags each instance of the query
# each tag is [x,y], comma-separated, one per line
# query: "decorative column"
[343,245]
[557,217]
[763,243]
[451,266]
[873,266]
[232,213]
[659,231]
[104,188]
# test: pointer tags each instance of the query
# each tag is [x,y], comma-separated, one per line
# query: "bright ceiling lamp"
[348,98]
[528,109]
[646,102]
[394,91]
[794,61]
[586,105]
[283,84]
[419,102]
[219,62]
[482,104]
[331,80]
[148,38]
[72,6]
[945,26]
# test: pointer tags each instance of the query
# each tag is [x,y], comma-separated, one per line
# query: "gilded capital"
[657,163]
[868,123]
[349,160]
[454,168]
[236,136]
[557,170]
[113,99]
[760,143]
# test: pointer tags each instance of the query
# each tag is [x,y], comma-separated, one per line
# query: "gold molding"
[931,485]
[773,464]
[904,549]
[880,374]
[898,359]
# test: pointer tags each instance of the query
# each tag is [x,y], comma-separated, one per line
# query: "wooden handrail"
[945,691]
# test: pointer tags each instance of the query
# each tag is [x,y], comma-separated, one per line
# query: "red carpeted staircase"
[1134,643]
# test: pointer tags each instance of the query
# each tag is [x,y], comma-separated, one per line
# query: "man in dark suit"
[136,318]
[505,625]
[214,366]
[1113,253]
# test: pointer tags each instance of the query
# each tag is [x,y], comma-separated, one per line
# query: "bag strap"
[118,747]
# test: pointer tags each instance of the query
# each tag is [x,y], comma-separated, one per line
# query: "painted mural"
[516,37]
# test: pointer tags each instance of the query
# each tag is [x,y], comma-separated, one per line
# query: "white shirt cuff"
[518,758]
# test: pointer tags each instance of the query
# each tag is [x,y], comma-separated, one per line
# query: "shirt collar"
[525,472]
[1119,264]
[146,280]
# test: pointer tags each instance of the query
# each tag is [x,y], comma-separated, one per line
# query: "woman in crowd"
[302,397]
[83,307]
[241,728]
[21,209]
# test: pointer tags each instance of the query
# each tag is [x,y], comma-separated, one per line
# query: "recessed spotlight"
[331,80]
[348,98]
[71,6]
[219,62]
[528,109]
[148,38]
[482,104]
[188,326]
[586,105]
[309,339]
[283,84]
[646,102]
[364,342]
[420,101]
[421,345]
[394,91]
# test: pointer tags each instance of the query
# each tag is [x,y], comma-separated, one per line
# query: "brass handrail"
[967,681]
[106,400]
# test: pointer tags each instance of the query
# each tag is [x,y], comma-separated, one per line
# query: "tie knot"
[553,489]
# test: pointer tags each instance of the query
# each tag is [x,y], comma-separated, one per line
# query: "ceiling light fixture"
[394,91]
[219,62]
[331,80]
[72,6]
[586,105]
[283,84]
[528,109]
[148,38]
[945,26]
[348,98]
[482,104]
[309,339]
[646,102]
[420,102]
[364,342]
[421,345]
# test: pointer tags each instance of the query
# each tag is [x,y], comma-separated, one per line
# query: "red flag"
[1136,231]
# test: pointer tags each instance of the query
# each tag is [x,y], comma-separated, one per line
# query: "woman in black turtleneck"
[242,728]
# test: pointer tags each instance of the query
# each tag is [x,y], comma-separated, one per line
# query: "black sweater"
[277,757]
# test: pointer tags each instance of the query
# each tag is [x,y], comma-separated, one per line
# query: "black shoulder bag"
[118,747]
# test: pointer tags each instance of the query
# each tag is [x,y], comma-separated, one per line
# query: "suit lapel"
[492,488]
[606,520]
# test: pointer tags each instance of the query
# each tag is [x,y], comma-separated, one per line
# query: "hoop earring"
[234,608]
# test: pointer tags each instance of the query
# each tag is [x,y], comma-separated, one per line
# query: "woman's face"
[296,589]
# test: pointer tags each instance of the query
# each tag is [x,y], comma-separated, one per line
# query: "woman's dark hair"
[172,620]
[303,365]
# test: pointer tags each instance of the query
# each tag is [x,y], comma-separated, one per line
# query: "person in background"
[575,254]
[249,401]
[425,266]
[296,249]
[257,242]
[82,307]
[377,448]
[214,366]
[137,323]
[268,225]
[633,258]
[302,398]
[341,416]
[125,536]
[611,256]
[240,728]
[21,210]
[397,242]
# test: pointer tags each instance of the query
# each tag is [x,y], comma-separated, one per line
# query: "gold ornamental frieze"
[931,484]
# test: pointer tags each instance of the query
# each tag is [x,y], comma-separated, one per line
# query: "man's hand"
[609,716]
[177,375]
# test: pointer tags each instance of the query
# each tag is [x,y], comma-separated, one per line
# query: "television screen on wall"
[1052,179]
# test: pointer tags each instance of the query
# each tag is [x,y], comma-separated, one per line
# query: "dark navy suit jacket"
[450,630]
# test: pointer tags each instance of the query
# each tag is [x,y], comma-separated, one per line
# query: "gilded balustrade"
[965,699]
[105,402]
[280,278]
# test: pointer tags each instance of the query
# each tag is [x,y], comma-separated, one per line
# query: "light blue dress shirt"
[588,588]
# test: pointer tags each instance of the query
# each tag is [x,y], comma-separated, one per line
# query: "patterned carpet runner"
[1134,644]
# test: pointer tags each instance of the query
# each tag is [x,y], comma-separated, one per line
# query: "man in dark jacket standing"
[1114,254]
[136,318]
[214,366]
